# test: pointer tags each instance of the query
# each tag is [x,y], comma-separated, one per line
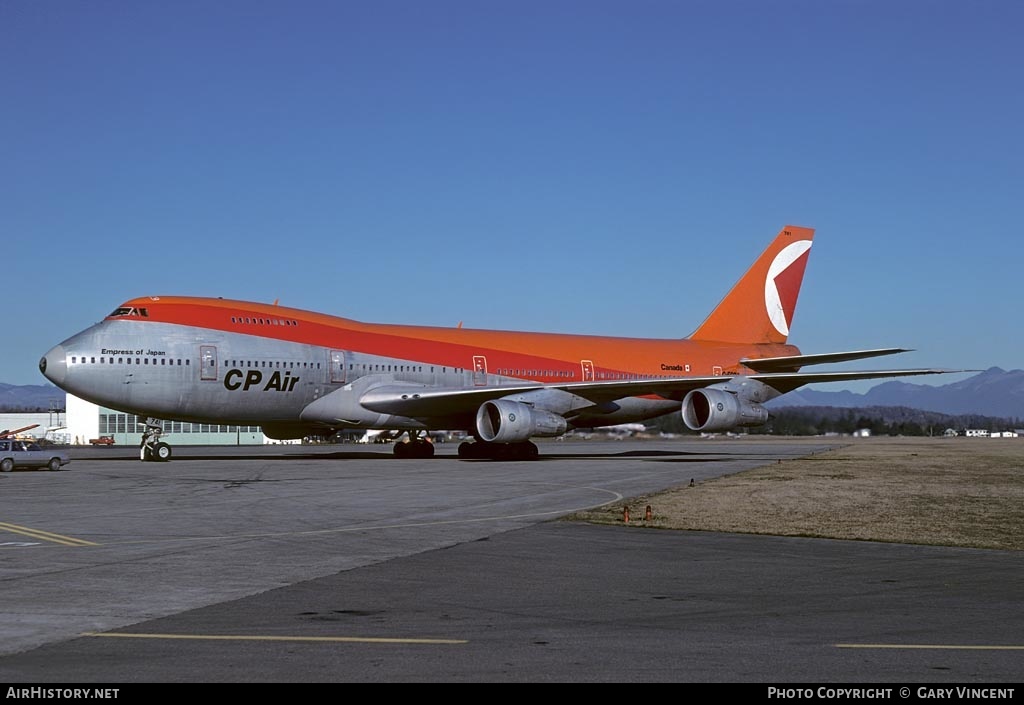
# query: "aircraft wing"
[423,401]
[676,388]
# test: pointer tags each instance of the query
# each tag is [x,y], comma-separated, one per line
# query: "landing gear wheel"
[422,448]
[468,450]
[498,451]
[150,449]
[418,448]
[161,452]
[530,451]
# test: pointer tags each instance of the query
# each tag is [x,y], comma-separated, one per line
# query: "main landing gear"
[482,450]
[152,449]
[415,447]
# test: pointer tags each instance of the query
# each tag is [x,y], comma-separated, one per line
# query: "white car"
[15,453]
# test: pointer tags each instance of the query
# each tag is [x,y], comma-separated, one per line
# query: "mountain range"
[30,397]
[994,392]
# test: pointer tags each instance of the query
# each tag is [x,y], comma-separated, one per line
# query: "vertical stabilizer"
[760,307]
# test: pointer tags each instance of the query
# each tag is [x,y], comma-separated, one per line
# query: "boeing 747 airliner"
[298,373]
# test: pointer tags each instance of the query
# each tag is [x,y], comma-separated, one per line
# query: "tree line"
[878,420]
[814,421]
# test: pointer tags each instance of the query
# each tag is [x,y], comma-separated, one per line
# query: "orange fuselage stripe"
[456,347]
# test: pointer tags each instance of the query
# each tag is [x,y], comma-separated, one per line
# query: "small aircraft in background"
[382,436]
[298,373]
[617,431]
[6,433]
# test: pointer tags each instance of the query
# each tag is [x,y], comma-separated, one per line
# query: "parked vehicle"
[102,441]
[16,453]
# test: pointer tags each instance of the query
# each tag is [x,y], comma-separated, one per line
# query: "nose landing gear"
[152,449]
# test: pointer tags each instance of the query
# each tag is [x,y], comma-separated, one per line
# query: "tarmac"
[342,564]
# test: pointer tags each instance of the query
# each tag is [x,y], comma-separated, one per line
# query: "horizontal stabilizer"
[788,381]
[793,363]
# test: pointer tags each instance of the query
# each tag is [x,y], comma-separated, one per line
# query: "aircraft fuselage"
[297,373]
[228,362]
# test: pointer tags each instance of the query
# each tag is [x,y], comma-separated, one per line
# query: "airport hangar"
[82,421]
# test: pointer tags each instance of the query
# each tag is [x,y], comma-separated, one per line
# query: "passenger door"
[479,370]
[337,367]
[587,367]
[208,362]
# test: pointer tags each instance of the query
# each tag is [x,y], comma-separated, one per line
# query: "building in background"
[81,421]
[86,421]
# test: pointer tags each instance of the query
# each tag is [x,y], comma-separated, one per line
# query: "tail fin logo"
[782,285]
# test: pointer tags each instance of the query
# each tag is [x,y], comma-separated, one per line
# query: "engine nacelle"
[504,421]
[718,410]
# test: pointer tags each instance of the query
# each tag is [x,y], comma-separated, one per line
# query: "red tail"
[760,307]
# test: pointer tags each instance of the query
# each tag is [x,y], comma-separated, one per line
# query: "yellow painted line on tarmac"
[44,535]
[257,637]
[966,647]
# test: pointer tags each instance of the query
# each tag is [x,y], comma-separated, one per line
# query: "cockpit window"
[129,311]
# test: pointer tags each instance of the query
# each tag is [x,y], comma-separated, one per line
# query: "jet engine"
[505,421]
[719,410]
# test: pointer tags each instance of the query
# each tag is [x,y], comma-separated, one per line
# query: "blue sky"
[588,167]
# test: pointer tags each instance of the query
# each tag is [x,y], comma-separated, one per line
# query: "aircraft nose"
[54,365]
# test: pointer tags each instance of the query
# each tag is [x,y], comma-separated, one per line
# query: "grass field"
[941,491]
